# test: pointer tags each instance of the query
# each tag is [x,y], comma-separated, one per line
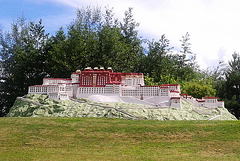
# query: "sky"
[213,25]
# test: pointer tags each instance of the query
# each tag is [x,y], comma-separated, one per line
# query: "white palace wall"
[106,86]
[205,101]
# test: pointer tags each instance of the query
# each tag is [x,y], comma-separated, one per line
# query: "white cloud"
[213,24]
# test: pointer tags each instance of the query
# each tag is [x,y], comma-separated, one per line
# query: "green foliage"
[24,59]
[185,46]
[199,89]
[164,66]
[233,105]
[229,89]
[187,55]
[155,63]
[149,81]
[168,79]
[96,39]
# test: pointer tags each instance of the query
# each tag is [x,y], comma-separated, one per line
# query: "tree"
[199,89]
[128,27]
[156,62]
[187,55]
[186,60]
[231,87]
[186,45]
[96,39]
[165,66]
[24,60]
[134,50]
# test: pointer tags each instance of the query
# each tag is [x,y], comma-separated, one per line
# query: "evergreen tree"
[97,39]
[229,90]
[24,60]
[156,62]
[186,59]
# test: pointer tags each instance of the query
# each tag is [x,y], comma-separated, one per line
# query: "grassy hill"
[57,138]
[42,106]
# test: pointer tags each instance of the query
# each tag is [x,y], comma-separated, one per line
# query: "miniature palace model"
[102,85]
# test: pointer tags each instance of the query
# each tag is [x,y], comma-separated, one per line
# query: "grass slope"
[56,138]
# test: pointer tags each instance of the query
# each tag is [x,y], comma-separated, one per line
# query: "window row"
[138,93]
[38,89]
[91,90]
[211,101]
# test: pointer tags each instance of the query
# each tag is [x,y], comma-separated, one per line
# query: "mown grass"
[117,139]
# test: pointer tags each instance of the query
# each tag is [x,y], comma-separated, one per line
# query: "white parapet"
[221,104]
[54,96]
[176,102]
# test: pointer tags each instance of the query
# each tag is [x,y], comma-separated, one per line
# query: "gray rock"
[41,106]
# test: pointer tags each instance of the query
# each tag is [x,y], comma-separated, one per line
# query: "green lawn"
[117,139]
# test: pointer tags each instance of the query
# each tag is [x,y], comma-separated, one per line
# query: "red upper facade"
[100,78]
